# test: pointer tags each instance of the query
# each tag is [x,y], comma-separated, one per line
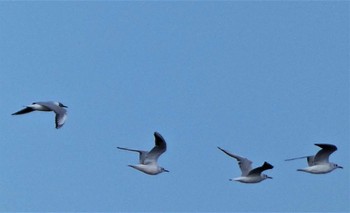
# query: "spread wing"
[310,159]
[23,111]
[142,154]
[157,150]
[61,113]
[259,170]
[244,164]
[322,156]
[60,118]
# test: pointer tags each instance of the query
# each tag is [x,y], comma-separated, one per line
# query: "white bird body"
[249,175]
[151,169]
[57,107]
[148,160]
[41,107]
[319,163]
[319,169]
[249,179]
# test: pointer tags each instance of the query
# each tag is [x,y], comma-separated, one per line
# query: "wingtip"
[159,138]
[58,126]
[322,145]
[157,134]
[220,148]
[267,164]
[16,113]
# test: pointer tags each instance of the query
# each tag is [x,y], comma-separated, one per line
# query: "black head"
[62,105]
[164,170]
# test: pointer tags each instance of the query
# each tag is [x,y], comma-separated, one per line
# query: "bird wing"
[23,111]
[244,164]
[50,105]
[310,159]
[259,170]
[157,150]
[60,118]
[322,156]
[61,113]
[142,154]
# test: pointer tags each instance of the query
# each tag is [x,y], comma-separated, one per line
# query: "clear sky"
[265,80]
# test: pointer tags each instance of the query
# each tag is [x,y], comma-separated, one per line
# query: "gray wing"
[60,118]
[244,164]
[61,113]
[157,150]
[142,154]
[322,156]
[259,170]
[310,159]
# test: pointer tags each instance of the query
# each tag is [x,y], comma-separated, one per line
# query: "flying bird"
[249,175]
[57,107]
[319,163]
[148,159]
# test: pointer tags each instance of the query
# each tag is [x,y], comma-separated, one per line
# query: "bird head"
[266,176]
[163,170]
[336,166]
[62,105]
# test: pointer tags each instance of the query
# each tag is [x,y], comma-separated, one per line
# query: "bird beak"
[65,106]
[269,177]
[165,170]
[340,167]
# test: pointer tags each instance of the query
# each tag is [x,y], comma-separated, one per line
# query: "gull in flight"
[148,159]
[249,175]
[57,107]
[319,163]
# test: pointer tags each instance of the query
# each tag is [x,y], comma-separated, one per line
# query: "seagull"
[319,163]
[249,175]
[57,107]
[148,160]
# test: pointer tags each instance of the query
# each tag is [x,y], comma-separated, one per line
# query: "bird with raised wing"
[249,175]
[319,163]
[57,107]
[148,159]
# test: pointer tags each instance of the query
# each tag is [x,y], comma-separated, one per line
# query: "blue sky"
[265,80]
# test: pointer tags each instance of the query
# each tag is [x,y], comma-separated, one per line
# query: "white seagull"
[148,160]
[57,107]
[319,163]
[249,175]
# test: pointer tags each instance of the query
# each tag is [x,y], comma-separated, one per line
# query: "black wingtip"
[267,165]
[157,134]
[326,146]
[23,111]
[17,113]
